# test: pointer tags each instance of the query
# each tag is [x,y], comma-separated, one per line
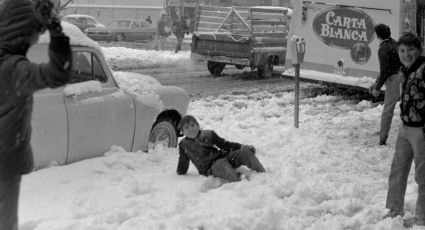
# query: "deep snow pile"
[329,174]
[125,58]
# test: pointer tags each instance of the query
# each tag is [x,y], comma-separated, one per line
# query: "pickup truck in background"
[252,37]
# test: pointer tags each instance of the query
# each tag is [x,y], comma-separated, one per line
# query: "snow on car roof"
[77,37]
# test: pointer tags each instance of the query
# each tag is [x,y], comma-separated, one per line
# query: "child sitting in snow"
[211,154]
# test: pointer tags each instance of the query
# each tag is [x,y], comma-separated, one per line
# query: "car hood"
[148,90]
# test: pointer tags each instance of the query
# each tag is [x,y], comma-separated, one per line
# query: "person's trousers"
[160,42]
[226,167]
[392,94]
[9,196]
[179,44]
[410,145]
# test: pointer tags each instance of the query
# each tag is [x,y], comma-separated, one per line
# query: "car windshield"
[120,23]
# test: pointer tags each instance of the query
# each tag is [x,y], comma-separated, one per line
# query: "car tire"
[266,71]
[215,68]
[120,38]
[163,131]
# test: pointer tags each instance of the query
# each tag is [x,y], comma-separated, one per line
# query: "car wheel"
[239,66]
[164,133]
[120,38]
[266,71]
[215,68]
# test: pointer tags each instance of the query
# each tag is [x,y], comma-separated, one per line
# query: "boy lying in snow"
[211,154]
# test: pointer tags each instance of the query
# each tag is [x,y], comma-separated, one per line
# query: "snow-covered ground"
[126,58]
[329,174]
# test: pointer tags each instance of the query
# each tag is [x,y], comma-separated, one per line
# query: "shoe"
[393,214]
[414,221]
[381,142]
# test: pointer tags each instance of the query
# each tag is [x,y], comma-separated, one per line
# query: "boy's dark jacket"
[389,62]
[412,105]
[19,79]
[203,151]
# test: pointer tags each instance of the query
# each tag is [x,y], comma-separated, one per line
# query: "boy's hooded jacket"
[19,79]
[203,151]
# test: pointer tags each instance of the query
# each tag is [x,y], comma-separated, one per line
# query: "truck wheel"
[215,68]
[239,66]
[266,71]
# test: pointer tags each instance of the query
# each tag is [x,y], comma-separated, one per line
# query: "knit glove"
[46,17]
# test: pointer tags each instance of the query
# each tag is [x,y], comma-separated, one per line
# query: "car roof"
[77,37]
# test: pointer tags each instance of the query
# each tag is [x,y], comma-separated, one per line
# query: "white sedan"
[99,108]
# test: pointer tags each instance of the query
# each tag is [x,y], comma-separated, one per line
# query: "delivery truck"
[340,43]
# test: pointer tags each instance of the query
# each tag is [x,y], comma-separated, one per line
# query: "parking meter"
[298,49]
[297,52]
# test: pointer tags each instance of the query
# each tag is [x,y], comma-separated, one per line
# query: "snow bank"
[125,58]
[364,82]
[328,175]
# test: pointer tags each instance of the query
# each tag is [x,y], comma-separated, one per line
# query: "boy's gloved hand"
[249,147]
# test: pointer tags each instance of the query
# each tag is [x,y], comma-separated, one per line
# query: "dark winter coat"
[203,151]
[389,62]
[413,94]
[180,28]
[19,79]
[160,27]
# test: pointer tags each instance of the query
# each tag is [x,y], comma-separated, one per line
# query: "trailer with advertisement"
[341,45]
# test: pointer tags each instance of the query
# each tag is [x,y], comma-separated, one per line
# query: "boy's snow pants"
[226,167]
[410,145]
[9,196]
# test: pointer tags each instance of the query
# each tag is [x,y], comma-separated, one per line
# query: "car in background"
[99,108]
[123,30]
[82,21]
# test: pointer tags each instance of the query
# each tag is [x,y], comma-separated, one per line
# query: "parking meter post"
[297,95]
[297,51]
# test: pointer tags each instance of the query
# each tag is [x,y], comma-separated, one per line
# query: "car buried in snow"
[123,30]
[99,108]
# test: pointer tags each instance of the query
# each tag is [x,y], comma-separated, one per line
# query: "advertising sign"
[348,29]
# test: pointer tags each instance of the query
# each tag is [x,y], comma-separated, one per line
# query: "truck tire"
[266,71]
[215,68]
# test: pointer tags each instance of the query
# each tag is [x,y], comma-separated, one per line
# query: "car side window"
[86,67]
[98,72]
[91,21]
[135,25]
[82,21]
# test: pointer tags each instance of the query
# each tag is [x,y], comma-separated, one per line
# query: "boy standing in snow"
[211,154]
[21,23]
[389,65]
[410,143]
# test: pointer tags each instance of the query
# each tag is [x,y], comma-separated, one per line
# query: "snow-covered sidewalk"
[329,174]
